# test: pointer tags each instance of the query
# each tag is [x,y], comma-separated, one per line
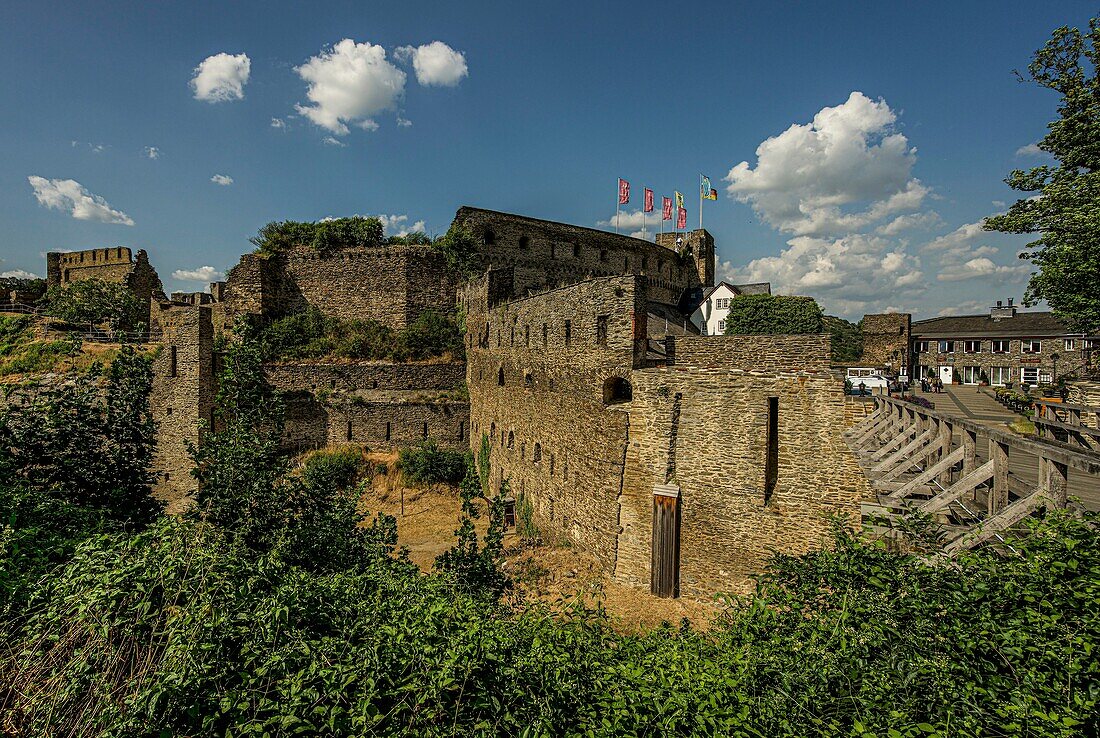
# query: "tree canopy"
[773,315]
[323,235]
[1065,206]
[97,301]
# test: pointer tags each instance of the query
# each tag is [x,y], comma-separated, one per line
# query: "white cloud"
[94,148]
[200,274]
[982,267]
[631,223]
[70,196]
[963,308]
[222,179]
[332,141]
[398,225]
[349,84]
[855,271]
[909,222]
[18,274]
[278,123]
[436,64]
[845,170]
[221,77]
[999,203]
[403,122]
[1030,150]
[152,152]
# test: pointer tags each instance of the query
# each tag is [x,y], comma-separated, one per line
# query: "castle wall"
[390,284]
[886,339]
[182,395]
[698,422]
[545,254]
[314,375]
[382,423]
[109,264]
[550,433]
[701,424]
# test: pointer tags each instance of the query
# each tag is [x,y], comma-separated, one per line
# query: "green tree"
[97,301]
[773,315]
[1065,209]
[325,235]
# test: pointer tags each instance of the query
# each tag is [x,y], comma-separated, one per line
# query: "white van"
[868,377]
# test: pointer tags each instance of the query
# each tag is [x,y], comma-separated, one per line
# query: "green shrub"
[773,315]
[96,301]
[429,464]
[460,248]
[325,235]
[338,469]
[431,334]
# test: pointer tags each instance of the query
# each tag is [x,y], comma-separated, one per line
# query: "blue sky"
[906,119]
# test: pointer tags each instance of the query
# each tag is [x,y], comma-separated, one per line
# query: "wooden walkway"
[974,476]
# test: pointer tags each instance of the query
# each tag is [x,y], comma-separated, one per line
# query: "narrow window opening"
[387,431]
[601,330]
[513,338]
[489,237]
[461,431]
[511,439]
[771,463]
[536,456]
[568,331]
[524,242]
[425,431]
[171,361]
[349,434]
[527,336]
[528,380]
[551,464]
[545,334]
[576,251]
[500,376]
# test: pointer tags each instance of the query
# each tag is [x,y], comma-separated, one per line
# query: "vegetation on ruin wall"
[324,235]
[459,247]
[1063,201]
[275,608]
[847,339]
[430,464]
[32,286]
[97,302]
[773,315]
[312,335]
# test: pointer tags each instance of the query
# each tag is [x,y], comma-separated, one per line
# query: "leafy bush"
[310,335]
[338,469]
[461,250]
[413,238]
[96,301]
[773,315]
[429,464]
[846,339]
[74,462]
[323,236]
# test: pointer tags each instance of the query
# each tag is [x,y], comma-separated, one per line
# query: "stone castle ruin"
[680,461]
[117,265]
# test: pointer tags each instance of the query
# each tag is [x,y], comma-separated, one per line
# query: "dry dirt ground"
[555,575]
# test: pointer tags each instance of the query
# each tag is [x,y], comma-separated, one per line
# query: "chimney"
[1002,311]
[998,303]
[1010,302]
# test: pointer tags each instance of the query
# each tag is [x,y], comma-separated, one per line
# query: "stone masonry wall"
[182,395]
[546,254]
[588,461]
[383,423]
[701,423]
[390,284]
[1014,358]
[538,396]
[886,339]
[345,377]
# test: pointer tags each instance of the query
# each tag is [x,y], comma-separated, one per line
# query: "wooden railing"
[1062,421]
[19,307]
[911,456]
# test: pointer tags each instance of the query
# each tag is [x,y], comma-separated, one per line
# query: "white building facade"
[710,316]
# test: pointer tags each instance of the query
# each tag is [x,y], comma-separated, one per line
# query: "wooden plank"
[1069,427]
[956,490]
[991,526]
[926,476]
[899,439]
[909,463]
[904,451]
[998,457]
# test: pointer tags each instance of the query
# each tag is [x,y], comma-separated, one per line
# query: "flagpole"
[617,198]
[700,202]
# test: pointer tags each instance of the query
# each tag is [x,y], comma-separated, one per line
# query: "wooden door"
[664,577]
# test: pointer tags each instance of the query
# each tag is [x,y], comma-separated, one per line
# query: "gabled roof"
[1026,325]
[752,288]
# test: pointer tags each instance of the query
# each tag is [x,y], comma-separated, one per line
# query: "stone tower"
[698,246]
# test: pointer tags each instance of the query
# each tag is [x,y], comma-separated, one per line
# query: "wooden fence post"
[998,494]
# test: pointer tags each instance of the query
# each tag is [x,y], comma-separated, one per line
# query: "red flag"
[681,218]
[648,207]
[624,191]
[666,208]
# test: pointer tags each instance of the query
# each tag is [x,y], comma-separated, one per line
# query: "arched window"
[489,237]
[524,242]
[500,376]
[616,390]
[537,455]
